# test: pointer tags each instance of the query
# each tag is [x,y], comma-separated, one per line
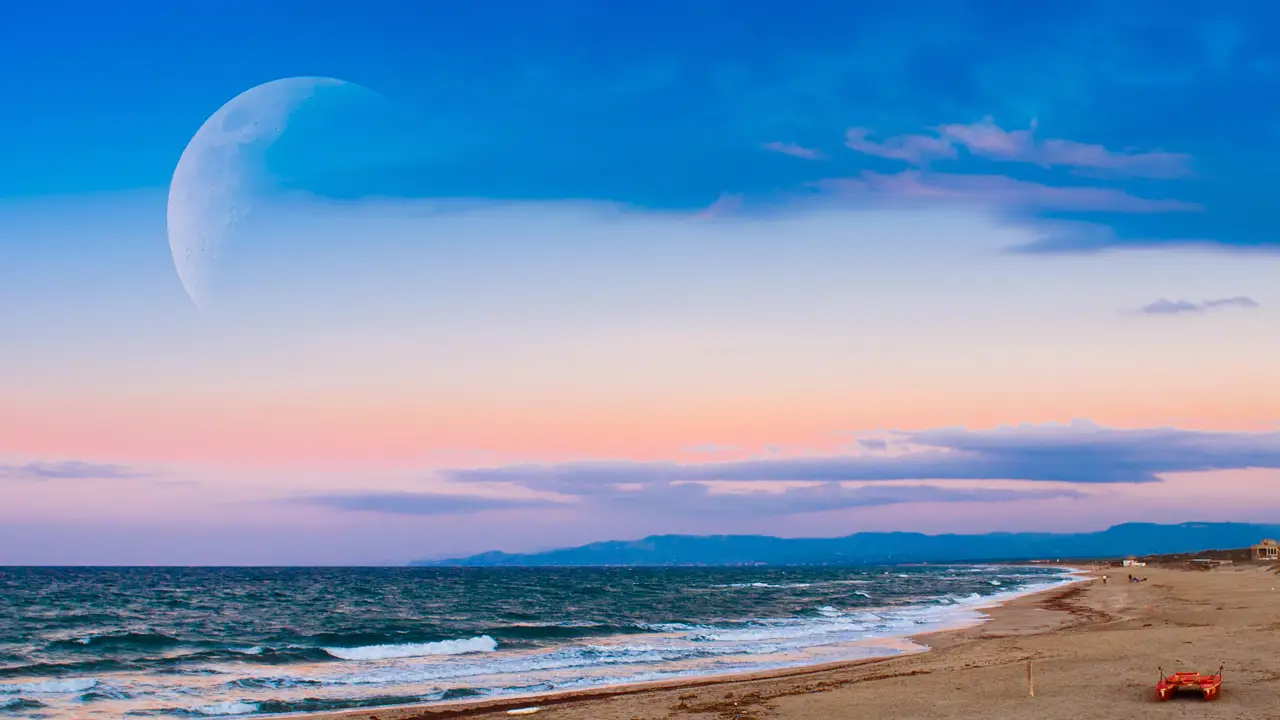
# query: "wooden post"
[1031,680]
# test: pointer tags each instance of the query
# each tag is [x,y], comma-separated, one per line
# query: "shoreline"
[917,644]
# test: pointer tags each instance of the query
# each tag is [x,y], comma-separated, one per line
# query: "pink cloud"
[988,140]
[793,150]
[915,149]
[725,204]
[1000,190]
[1150,164]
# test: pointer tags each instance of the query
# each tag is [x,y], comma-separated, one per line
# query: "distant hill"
[875,547]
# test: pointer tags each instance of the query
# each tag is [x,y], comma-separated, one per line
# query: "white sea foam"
[841,630]
[667,627]
[675,645]
[49,687]
[679,644]
[565,624]
[762,585]
[481,644]
[231,707]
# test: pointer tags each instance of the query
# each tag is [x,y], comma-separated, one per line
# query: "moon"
[224,172]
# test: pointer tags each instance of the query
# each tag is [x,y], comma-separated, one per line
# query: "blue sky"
[602,101]
[592,235]
[607,96]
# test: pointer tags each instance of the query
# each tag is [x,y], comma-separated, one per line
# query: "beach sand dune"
[1095,650]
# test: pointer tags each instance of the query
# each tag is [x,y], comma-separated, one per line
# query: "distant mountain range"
[867,548]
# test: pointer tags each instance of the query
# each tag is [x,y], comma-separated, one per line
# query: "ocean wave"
[116,641]
[259,654]
[104,694]
[668,627]
[704,643]
[49,687]
[231,707]
[811,631]
[395,633]
[471,693]
[559,659]
[479,644]
[19,703]
[47,669]
[489,648]
[272,683]
[764,585]
[277,706]
[681,642]
[320,705]
[556,631]
[199,662]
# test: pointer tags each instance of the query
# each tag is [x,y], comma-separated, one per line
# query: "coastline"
[1095,649]
[1016,610]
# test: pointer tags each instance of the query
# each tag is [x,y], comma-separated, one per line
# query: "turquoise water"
[209,642]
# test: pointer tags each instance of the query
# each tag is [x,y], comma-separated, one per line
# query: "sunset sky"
[607,270]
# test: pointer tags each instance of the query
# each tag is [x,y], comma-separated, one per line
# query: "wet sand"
[1095,650]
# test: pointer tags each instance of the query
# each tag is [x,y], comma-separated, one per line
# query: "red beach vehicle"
[1206,685]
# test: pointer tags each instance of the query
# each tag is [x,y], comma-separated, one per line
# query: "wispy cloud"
[1081,453]
[999,190]
[1178,307]
[794,150]
[705,499]
[726,204]
[684,498]
[417,503]
[986,139]
[1043,462]
[915,149]
[69,470]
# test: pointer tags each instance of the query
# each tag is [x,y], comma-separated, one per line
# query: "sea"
[246,642]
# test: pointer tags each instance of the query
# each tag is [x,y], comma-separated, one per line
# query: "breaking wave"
[256,642]
[482,644]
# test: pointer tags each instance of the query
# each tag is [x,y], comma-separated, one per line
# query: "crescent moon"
[222,175]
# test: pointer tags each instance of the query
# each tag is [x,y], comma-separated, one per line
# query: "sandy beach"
[1095,649]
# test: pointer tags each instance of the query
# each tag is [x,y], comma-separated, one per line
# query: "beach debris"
[524,711]
[1206,685]
[1031,678]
